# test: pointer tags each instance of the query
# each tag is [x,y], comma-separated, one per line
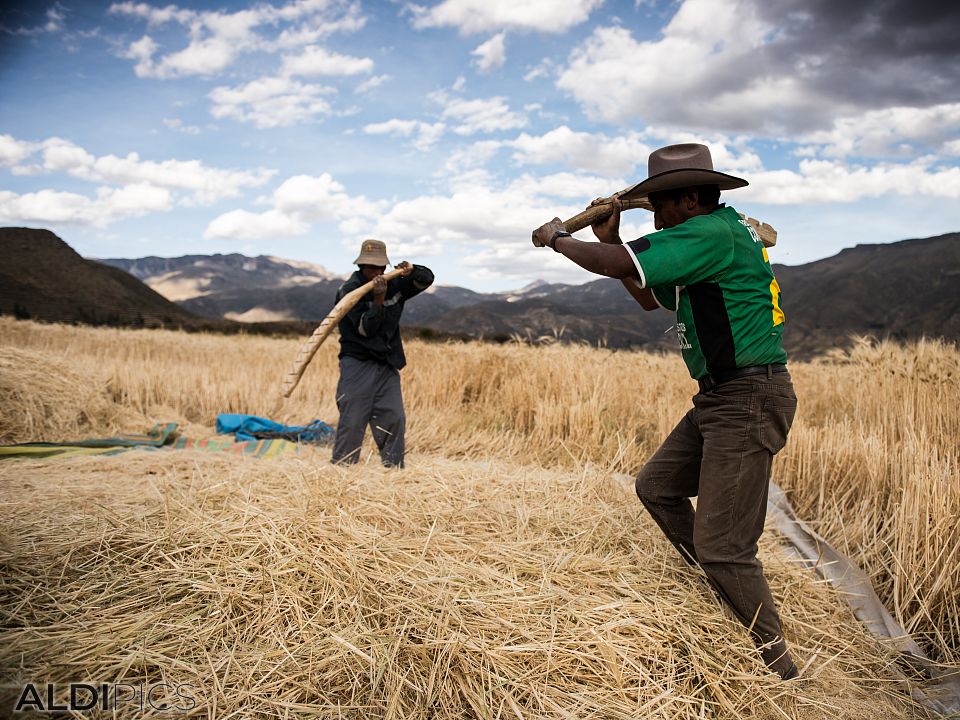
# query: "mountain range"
[901,290]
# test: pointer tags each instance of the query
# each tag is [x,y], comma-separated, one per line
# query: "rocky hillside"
[43,278]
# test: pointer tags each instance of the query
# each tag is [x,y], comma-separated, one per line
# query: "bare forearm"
[644,296]
[600,258]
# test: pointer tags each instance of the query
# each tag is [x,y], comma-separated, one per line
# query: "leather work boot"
[776,657]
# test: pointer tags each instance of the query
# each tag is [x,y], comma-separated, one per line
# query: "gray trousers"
[368,393]
[722,451]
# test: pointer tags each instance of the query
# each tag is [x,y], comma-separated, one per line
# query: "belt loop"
[769,372]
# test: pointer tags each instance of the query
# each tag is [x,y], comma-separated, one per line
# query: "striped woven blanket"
[163,436]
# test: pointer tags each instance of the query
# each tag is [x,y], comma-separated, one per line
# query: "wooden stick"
[310,347]
[596,213]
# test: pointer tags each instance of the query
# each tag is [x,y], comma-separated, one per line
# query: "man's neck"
[700,210]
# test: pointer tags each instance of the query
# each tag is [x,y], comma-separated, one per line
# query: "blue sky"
[451,129]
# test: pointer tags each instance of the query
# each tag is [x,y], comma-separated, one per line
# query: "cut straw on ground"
[508,572]
[452,589]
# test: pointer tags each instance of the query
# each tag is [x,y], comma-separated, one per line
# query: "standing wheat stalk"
[310,347]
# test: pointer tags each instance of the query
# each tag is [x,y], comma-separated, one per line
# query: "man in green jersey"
[709,266]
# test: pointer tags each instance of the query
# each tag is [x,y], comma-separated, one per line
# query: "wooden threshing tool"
[309,348]
[601,211]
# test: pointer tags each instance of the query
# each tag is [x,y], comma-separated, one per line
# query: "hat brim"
[673,179]
[375,260]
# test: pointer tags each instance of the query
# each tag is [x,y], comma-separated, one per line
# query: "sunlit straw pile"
[453,589]
[44,398]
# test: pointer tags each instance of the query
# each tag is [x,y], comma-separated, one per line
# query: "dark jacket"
[371,331]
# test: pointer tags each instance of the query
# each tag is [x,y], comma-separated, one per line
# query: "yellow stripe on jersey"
[778,316]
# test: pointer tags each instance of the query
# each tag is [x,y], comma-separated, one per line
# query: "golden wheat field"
[508,572]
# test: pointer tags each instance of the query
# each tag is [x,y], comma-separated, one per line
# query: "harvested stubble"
[453,589]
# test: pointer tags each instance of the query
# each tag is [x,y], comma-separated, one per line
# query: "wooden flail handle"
[310,347]
[596,213]
[601,211]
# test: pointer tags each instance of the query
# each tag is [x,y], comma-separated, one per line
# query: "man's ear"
[691,199]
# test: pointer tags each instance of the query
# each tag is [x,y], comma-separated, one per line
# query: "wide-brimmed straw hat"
[373,252]
[677,166]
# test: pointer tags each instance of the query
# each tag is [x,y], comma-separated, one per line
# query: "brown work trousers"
[722,451]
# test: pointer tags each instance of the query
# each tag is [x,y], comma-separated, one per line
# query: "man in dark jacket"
[709,266]
[371,357]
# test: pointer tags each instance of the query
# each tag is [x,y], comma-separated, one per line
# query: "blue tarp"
[251,427]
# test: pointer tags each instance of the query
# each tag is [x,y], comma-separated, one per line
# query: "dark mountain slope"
[43,278]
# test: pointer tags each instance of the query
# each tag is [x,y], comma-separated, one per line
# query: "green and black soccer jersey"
[713,270]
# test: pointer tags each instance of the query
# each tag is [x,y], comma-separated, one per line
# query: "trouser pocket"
[776,418]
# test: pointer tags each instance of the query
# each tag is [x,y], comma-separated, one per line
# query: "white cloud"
[595,152]
[319,198]
[245,225]
[55,17]
[142,51]
[395,126]
[481,115]
[475,16]
[491,54]
[141,180]
[63,155]
[427,133]
[204,184]
[271,102]
[109,205]
[135,199]
[710,39]
[218,38]
[522,261]
[487,213]
[216,43]
[205,57]
[320,19]
[13,151]
[153,15]
[544,68]
[297,203]
[575,187]
[469,158]
[177,124]
[781,70]
[319,61]
[824,181]
[952,147]
[889,131]
[371,83]
[492,222]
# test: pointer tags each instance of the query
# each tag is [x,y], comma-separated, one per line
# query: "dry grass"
[874,465]
[504,574]
[455,589]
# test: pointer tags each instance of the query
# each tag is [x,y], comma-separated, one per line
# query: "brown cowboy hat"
[372,252]
[677,166]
